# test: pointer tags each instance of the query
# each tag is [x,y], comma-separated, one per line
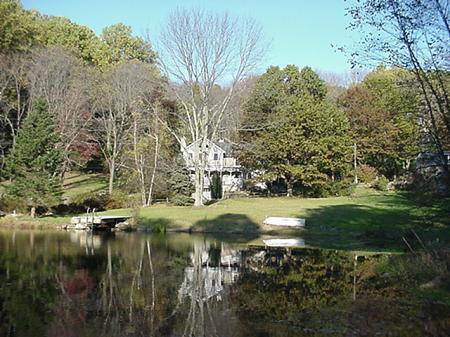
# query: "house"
[431,161]
[430,172]
[220,161]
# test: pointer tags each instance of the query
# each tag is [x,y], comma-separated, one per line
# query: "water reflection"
[82,284]
[212,271]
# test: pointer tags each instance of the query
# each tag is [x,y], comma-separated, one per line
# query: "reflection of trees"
[135,286]
[288,285]
[27,266]
[128,292]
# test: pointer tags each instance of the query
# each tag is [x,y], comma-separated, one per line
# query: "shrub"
[381,184]
[89,200]
[181,200]
[366,173]
[153,225]
[118,199]
[9,204]
[344,187]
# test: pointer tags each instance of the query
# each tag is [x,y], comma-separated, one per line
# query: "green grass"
[76,184]
[368,220]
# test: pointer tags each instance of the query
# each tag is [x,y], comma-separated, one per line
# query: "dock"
[97,221]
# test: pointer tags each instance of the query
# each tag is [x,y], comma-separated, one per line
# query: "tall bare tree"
[147,144]
[14,100]
[121,108]
[63,82]
[199,51]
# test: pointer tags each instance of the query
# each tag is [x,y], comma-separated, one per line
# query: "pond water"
[83,284]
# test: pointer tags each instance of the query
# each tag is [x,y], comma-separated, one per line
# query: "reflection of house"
[203,281]
[221,162]
[86,240]
[211,281]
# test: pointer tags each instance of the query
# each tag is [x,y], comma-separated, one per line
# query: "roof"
[227,147]
[221,144]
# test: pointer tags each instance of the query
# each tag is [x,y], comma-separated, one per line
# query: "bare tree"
[199,51]
[120,105]
[147,139]
[14,99]
[59,77]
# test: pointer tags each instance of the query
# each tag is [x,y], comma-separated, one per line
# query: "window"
[216,156]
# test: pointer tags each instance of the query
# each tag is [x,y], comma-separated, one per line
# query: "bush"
[89,200]
[366,173]
[9,204]
[381,184]
[344,187]
[181,200]
[118,199]
[153,225]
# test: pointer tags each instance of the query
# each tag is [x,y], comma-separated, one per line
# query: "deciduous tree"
[413,34]
[199,51]
[58,77]
[121,100]
[383,120]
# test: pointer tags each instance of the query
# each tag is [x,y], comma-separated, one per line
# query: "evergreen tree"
[216,186]
[180,184]
[34,163]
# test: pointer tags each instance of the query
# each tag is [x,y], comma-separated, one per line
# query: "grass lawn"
[369,218]
[366,220]
[76,184]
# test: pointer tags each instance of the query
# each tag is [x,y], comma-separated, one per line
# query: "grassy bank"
[368,219]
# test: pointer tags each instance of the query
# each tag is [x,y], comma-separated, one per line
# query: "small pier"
[97,222]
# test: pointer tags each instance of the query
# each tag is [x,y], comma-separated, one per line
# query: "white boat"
[284,222]
[293,242]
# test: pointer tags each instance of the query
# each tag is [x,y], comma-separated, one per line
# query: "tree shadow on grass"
[229,223]
[360,227]
[229,227]
[85,181]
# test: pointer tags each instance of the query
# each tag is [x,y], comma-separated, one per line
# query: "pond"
[83,284]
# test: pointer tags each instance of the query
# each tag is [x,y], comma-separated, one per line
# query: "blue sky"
[300,32]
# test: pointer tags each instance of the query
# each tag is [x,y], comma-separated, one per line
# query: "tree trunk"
[199,165]
[33,212]
[112,168]
[290,187]
[199,183]
[355,164]
[152,179]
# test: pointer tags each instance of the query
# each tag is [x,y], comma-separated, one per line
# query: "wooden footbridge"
[97,222]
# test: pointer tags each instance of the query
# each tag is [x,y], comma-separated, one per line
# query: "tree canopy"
[295,134]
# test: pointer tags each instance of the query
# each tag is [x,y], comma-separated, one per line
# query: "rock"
[437,282]
[123,227]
